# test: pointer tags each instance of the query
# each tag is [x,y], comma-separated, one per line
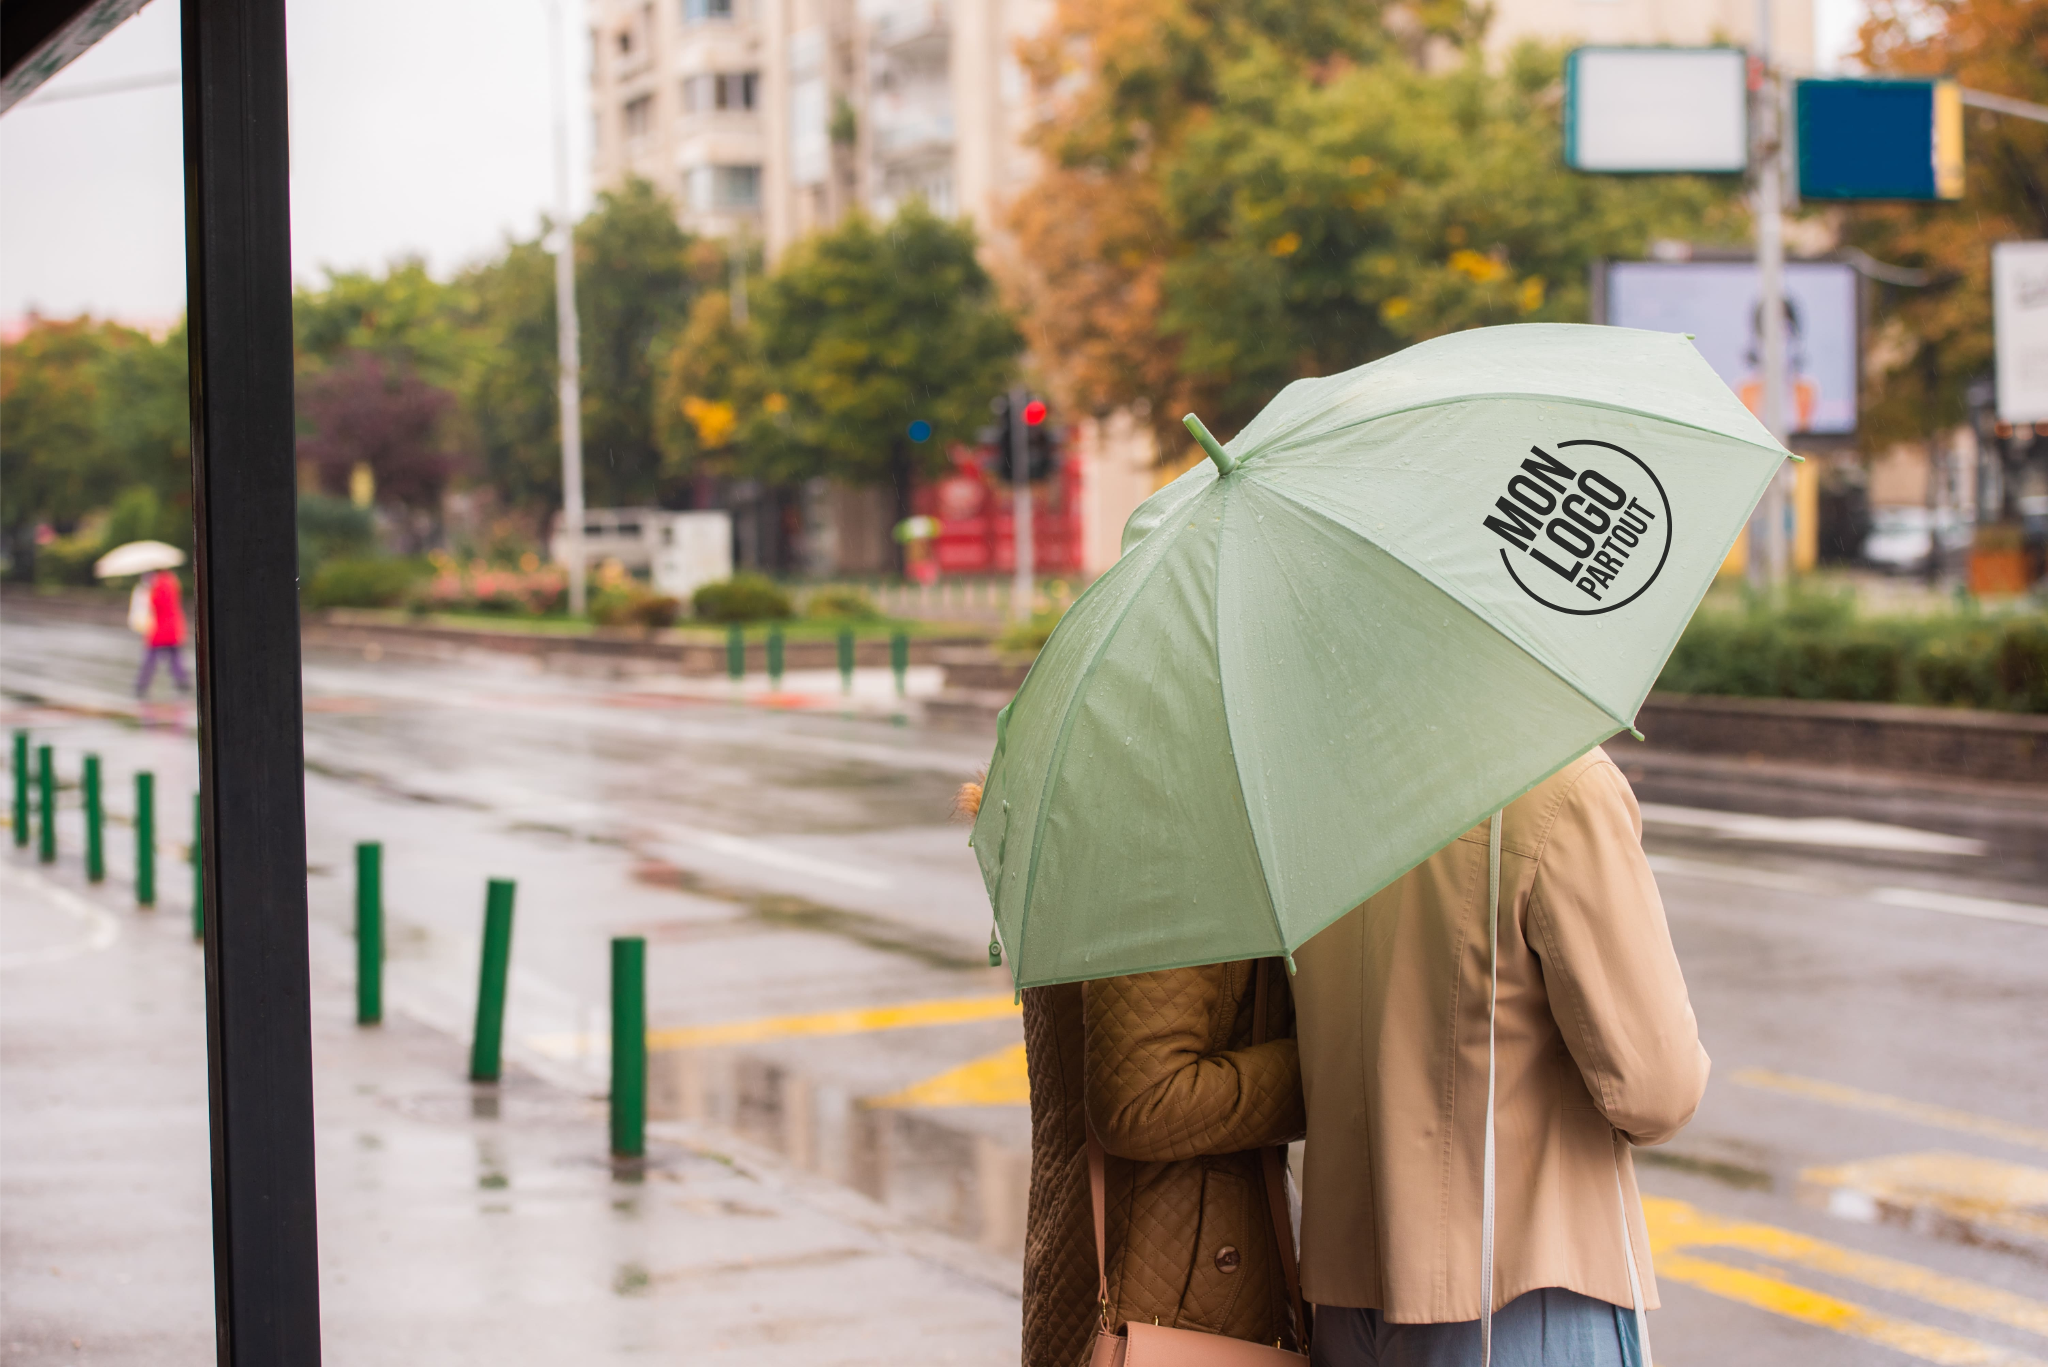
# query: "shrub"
[361,583]
[1030,637]
[842,601]
[332,529]
[1818,648]
[511,593]
[631,603]
[742,598]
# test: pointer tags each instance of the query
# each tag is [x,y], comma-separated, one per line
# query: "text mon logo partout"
[1592,524]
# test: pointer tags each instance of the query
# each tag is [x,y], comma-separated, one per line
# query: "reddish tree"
[368,410]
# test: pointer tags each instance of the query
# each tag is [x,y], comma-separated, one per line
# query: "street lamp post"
[569,388]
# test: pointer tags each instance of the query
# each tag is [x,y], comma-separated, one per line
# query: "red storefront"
[976,523]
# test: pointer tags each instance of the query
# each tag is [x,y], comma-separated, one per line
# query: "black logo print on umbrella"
[1592,524]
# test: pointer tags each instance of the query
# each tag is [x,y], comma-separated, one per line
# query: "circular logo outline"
[1663,497]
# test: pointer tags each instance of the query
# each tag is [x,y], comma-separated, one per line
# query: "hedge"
[1819,647]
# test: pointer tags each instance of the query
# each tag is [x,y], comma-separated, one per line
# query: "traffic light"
[1041,447]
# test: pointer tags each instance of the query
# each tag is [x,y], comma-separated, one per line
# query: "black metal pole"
[252,781]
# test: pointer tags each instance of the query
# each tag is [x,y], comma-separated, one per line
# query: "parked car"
[1901,539]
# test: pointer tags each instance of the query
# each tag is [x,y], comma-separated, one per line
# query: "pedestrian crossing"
[1759,1265]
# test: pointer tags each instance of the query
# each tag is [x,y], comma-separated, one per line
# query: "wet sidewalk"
[458,1224]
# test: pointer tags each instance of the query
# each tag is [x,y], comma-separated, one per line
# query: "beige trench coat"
[1595,1036]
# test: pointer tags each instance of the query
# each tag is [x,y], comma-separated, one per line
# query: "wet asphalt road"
[1867,1181]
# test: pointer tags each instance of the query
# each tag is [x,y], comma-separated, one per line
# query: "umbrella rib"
[1229,735]
[1622,722]
[1284,443]
[1059,748]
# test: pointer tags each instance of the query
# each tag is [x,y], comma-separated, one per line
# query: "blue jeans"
[1548,1328]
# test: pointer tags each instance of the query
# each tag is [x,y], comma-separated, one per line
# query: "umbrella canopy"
[137,557]
[1401,597]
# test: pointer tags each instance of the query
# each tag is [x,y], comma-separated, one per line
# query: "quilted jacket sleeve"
[1595,919]
[1158,1087]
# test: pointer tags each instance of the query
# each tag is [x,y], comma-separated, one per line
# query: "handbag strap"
[1276,1195]
[1272,1159]
[1486,1196]
[1098,1199]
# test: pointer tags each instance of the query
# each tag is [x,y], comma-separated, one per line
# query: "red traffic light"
[1034,413]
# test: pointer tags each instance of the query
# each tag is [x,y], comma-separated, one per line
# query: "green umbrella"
[1401,597]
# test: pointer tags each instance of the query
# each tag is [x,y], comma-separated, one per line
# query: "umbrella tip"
[1224,461]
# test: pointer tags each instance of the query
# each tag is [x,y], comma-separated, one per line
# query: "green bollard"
[21,789]
[198,873]
[629,1047]
[736,652]
[846,660]
[95,823]
[369,933]
[775,658]
[899,659]
[145,840]
[485,1055]
[46,802]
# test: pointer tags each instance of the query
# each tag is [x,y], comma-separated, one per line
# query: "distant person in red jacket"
[166,632]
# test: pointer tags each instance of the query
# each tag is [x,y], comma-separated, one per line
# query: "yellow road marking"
[1970,1190]
[997,1079]
[858,1020]
[1812,1307]
[1941,1117]
[1675,1226]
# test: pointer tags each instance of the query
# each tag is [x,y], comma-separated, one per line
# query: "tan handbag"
[1152,1345]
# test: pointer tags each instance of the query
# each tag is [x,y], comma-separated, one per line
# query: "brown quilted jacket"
[1181,1100]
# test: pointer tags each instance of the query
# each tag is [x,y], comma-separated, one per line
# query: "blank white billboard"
[2019,313]
[1645,109]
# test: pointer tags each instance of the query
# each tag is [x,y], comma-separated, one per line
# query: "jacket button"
[1227,1259]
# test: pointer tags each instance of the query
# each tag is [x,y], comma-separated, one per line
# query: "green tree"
[715,412]
[637,274]
[403,316]
[508,392]
[870,327]
[1326,219]
[93,412]
[1937,339]
[1122,84]
[634,288]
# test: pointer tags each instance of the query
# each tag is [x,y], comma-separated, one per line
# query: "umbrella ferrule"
[1225,462]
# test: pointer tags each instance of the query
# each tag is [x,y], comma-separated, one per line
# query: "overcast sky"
[418,127]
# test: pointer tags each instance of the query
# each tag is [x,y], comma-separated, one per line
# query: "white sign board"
[2019,314]
[1645,109]
[1718,303]
[695,549]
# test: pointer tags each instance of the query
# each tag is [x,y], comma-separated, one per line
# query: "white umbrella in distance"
[137,557]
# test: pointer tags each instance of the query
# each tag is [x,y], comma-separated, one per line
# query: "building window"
[725,90]
[705,11]
[713,188]
[639,117]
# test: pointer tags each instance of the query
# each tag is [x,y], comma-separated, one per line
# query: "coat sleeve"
[1597,923]
[1155,1093]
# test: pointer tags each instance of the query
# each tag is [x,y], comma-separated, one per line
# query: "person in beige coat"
[1597,1049]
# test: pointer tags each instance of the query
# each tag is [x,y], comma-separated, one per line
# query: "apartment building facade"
[773,118]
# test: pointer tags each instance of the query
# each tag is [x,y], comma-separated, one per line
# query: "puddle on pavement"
[1955,1196]
[966,1185]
